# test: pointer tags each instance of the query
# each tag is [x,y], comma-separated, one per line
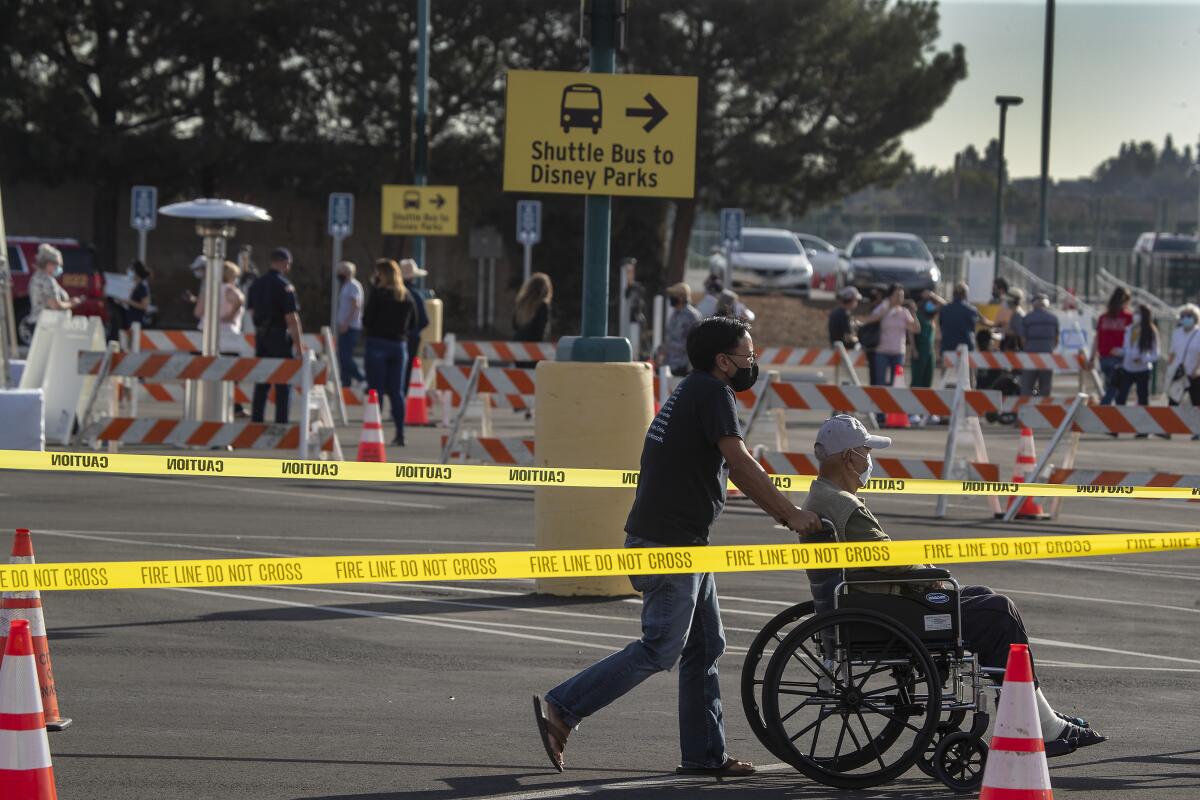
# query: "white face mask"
[864,477]
[1188,322]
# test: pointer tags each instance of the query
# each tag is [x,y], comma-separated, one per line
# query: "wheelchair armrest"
[914,574]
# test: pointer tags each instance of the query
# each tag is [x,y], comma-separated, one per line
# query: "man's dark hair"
[712,336]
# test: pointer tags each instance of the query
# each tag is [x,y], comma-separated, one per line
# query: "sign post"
[143,215]
[420,210]
[529,230]
[732,220]
[340,226]
[600,134]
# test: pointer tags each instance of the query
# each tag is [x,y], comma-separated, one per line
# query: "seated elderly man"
[990,621]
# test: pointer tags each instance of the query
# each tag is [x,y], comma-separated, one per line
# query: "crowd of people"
[1125,346]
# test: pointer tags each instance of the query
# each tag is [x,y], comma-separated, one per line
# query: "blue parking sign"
[341,214]
[529,221]
[143,208]
[731,227]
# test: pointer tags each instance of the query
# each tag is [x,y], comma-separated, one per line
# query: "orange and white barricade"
[1156,420]
[203,434]
[778,463]
[516,450]
[807,357]
[187,367]
[188,341]
[451,351]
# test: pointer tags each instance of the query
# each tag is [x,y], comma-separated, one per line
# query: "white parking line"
[1111,668]
[1094,648]
[339,498]
[1104,600]
[1104,568]
[585,790]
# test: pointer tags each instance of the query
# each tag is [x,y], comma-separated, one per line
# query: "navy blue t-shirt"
[681,489]
[139,293]
[957,321]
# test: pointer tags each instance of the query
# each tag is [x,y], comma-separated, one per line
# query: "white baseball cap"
[843,432]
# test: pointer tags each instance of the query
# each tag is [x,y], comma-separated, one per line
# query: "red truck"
[81,278]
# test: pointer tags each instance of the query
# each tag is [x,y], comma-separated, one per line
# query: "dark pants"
[990,623]
[1109,365]
[1193,392]
[272,343]
[386,361]
[1129,380]
[347,366]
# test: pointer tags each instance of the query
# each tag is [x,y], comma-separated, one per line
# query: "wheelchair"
[855,695]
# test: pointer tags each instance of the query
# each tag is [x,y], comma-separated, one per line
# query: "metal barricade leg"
[1014,505]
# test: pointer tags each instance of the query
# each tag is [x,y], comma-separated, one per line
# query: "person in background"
[683,318]
[635,304]
[895,323]
[729,304]
[713,287]
[229,325]
[1000,291]
[868,334]
[134,308]
[276,313]
[1038,332]
[531,318]
[410,272]
[1110,336]
[351,300]
[390,316]
[1183,376]
[842,324]
[924,355]
[1141,351]
[1008,319]
[957,321]
[716,263]
[45,292]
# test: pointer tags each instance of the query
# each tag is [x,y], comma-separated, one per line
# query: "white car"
[771,259]
[828,270]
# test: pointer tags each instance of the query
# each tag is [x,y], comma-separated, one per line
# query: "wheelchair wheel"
[755,665]
[868,679]
[959,760]
[951,724]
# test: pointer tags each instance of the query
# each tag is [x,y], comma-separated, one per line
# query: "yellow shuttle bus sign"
[585,133]
[420,210]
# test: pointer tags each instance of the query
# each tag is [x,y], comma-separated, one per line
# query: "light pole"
[1004,101]
[1195,170]
[421,154]
[1047,93]
[216,223]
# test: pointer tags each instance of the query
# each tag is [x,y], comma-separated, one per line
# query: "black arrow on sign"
[655,113]
[438,201]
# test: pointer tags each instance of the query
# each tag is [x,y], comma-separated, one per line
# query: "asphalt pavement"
[390,691]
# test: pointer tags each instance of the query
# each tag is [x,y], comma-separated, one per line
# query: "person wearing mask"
[229,325]
[276,313]
[351,300]
[1008,319]
[45,292]
[134,307]
[924,356]
[1110,337]
[958,320]
[683,318]
[390,316]
[713,288]
[842,324]
[1183,376]
[990,622]
[895,324]
[692,448]
[1038,332]
[410,272]
[1141,351]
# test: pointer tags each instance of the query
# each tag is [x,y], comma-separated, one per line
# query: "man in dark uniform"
[272,301]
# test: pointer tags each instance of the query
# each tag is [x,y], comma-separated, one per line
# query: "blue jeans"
[347,366]
[386,361]
[681,623]
[885,372]
[1108,366]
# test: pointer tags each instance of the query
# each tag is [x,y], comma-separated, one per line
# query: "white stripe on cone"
[24,750]
[372,430]
[37,622]
[1017,718]
[19,690]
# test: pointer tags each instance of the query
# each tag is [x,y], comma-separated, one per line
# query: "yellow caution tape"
[490,475]
[572,563]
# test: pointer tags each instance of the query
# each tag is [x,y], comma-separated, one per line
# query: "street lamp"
[215,223]
[1004,101]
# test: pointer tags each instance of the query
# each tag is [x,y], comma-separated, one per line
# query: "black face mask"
[744,378]
[341,278]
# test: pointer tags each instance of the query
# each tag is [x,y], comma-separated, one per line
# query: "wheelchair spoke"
[893,717]
[788,715]
[837,751]
[871,670]
[825,712]
[819,663]
[875,747]
[812,747]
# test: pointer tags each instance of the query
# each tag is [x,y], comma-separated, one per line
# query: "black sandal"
[544,729]
[732,768]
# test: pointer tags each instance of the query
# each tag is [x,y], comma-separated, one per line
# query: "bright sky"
[1122,70]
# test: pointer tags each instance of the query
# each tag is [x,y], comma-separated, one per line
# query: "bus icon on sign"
[581,107]
[412,199]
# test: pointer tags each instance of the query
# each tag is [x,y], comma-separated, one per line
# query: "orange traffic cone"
[416,412]
[1016,764]
[25,769]
[1023,472]
[896,419]
[28,606]
[370,444]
